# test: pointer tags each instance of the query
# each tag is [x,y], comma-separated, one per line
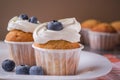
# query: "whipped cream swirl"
[70,32]
[19,24]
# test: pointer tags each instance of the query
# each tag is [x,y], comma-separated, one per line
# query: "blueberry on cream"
[55,25]
[33,20]
[23,23]
[23,16]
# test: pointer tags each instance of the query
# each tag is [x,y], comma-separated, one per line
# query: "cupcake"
[116,25]
[103,37]
[19,39]
[86,26]
[56,46]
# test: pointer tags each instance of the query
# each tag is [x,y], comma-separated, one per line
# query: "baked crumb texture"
[116,25]
[19,36]
[104,27]
[58,44]
[89,23]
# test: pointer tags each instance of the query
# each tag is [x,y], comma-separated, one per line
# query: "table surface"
[115,51]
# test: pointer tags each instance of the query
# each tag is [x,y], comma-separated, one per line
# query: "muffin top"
[89,23]
[58,44]
[23,23]
[104,27]
[19,36]
[116,25]
[65,29]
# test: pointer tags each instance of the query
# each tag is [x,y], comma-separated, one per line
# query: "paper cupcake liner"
[22,53]
[84,36]
[58,62]
[119,38]
[103,41]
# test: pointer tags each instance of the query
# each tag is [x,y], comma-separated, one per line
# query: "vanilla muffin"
[56,46]
[103,37]
[86,26]
[20,39]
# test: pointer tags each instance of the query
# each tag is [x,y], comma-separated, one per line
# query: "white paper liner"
[84,36]
[103,41]
[58,62]
[119,38]
[22,53]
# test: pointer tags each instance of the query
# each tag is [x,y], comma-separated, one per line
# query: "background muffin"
[86,26]
[103,37]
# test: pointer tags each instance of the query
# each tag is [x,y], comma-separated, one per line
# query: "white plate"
[91,66]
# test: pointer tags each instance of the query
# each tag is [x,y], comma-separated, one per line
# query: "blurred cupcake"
[19,39]
[86,26]
[103,37]
[116,25]
[56,46]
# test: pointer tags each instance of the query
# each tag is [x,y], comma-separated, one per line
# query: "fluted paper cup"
[103,41]
[84,36]
[119,38]
[22,52]
[58,62]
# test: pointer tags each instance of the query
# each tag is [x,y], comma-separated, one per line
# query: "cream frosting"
[70,32]
[24,25]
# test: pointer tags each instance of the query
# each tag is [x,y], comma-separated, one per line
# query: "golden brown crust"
[104,27]
[89,23]
[19,36]
[58,44]
[116,25]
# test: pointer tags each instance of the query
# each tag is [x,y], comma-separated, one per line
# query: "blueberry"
[55,25]
[8,65]
[22,69]
[35,70]
[33,20]
[24,16]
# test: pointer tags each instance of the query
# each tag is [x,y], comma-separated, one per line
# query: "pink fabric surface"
[114,74]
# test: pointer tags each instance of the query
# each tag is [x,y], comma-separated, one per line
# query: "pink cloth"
[114,74]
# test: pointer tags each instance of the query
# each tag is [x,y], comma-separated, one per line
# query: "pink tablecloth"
[114,74]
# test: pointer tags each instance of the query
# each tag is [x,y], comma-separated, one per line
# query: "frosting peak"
[70,32]
[20,24]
